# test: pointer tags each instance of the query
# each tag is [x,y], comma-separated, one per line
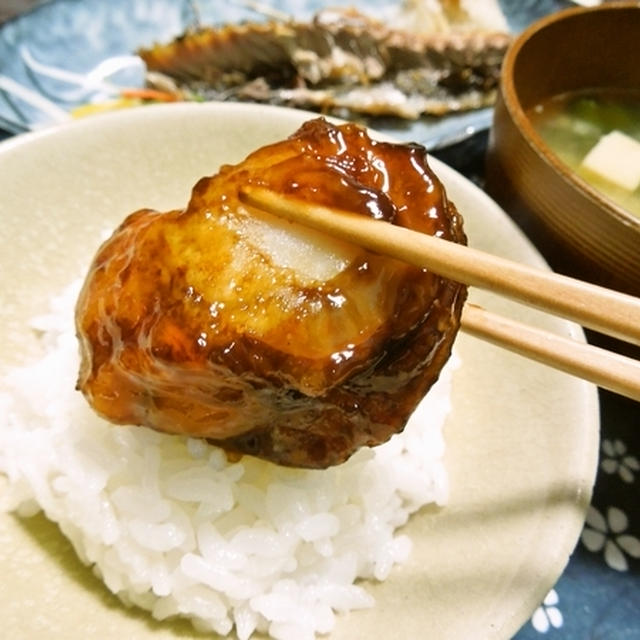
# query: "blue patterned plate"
[68,52]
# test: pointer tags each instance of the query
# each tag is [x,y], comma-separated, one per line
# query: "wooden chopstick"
[608,370]
[608,311]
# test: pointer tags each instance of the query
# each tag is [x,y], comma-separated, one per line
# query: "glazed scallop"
[269,339]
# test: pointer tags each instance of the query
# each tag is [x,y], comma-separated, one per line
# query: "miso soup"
[572,124]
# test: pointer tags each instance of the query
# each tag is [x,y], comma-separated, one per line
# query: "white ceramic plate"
[522,440]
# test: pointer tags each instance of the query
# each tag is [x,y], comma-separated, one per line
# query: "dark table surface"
[598,595]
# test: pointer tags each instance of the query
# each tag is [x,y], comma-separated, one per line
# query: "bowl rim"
[527,130]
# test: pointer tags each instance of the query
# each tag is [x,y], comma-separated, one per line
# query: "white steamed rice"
[171,526]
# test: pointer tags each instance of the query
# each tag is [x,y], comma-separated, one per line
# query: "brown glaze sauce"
[187,327]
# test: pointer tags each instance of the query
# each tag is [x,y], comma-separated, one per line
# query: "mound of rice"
[169,524]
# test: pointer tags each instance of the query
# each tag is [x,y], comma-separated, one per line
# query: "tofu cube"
[616,158]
